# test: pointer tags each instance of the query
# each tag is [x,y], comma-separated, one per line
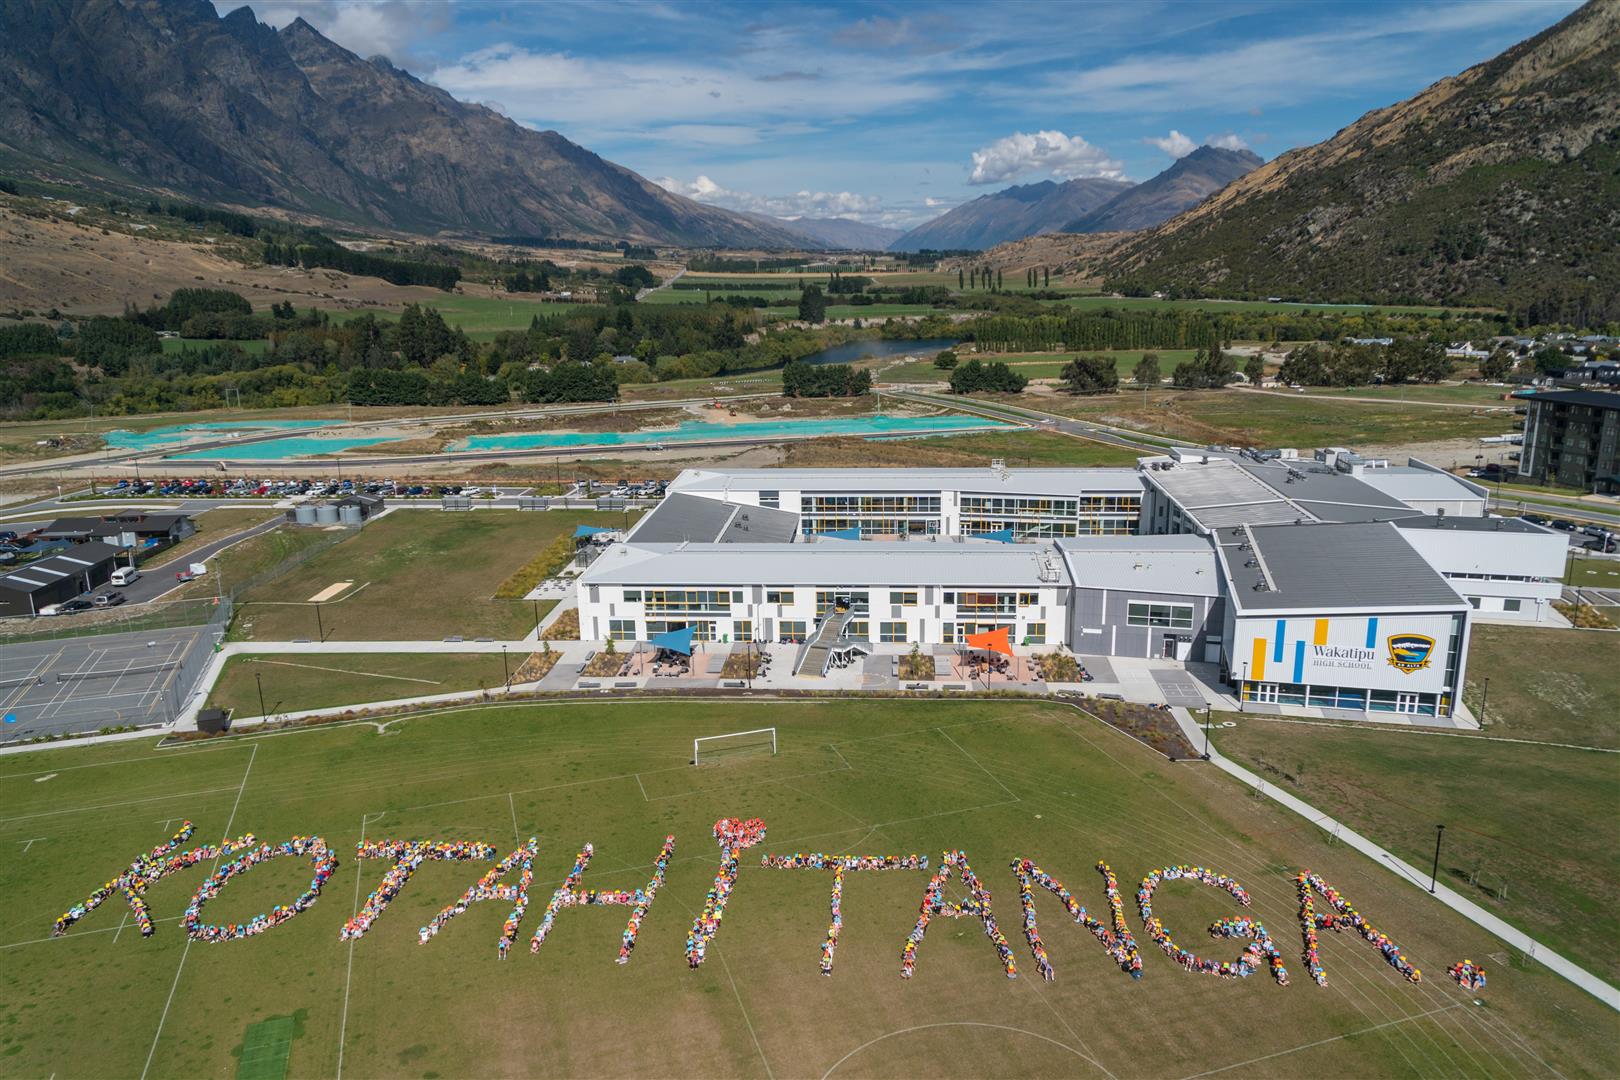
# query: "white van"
[125,575]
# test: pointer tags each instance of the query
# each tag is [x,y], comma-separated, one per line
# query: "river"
[866,350]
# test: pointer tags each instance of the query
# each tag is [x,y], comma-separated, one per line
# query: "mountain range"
[168,95]
[1011,214]
[1192,179]
[836,234]
[1497,186]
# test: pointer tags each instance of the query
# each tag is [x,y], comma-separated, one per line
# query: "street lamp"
[1243,687]
[259,682]
[1439,832]
[1206,732]
[537,617]
[505,670]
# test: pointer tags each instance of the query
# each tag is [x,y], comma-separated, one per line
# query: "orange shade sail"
[998,640]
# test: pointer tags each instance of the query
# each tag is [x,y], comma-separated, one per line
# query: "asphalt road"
[1045,420]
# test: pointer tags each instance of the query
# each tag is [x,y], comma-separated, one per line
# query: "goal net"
[711,748]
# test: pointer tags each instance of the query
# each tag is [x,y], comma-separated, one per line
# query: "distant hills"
[841,233]
[1188,182]
[1081,206]
[1497,186]
[167,95]
[1019,211]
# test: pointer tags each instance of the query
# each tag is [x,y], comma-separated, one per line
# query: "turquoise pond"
[180,433]
[699,431]
[275,449]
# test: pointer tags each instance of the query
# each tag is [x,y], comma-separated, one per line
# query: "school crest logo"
[1410,652]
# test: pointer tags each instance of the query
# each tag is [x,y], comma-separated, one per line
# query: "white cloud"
[931,202]
[817,204]
[393,28]
[1228,141]
[1064,156]
[1175,144]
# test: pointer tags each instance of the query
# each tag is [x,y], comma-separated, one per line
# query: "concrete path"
[1465,907]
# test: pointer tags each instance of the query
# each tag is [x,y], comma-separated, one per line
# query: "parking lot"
[88,683]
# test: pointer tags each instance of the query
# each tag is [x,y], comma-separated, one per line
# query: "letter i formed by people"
[733,835]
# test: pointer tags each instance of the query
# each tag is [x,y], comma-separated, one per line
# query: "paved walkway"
[1465,907]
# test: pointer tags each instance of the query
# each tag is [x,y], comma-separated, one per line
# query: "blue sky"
[892,113]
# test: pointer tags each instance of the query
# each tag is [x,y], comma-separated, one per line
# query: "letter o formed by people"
[312,847]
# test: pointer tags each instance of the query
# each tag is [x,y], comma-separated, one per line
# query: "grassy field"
[295,682]
[852,777]
[1445,393]
[418,574]
[1036,365]
[211,526]
[258,555]
[1234,306]
[482,317]
[1547,684]
[174,345]
[1270,420]
[1595,573]
[749,382]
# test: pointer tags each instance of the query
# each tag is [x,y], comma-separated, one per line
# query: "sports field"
[998,780]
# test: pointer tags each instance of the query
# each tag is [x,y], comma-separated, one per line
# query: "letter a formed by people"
[1343,915]
[733,835]
[977,905]
[1118,940]
[486,888]
[408,855]
[638,900]
[147,870]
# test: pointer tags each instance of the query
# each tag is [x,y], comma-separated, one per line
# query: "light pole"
[259,682]
[537,617]
[1243,687]
[1206,732]
[1439,832]
[505,670]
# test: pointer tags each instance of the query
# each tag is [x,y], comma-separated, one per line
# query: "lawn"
[1018,447]
[1445,393]
[240,563]
[482,317]
[1271,420]
[1595,573]
[1036,365]
[747,382]
[294,682]
[213,525]
[998,780]
[418,574]
[1547,684]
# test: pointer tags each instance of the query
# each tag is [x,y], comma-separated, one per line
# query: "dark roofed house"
[125,530]
[75,571]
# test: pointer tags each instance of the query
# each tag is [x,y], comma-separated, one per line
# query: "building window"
[857,630]
[892,631]
[622,629]
[779,596]
[904,599]
[791,631]
[1035,634]
[948,633]
[1512,604]
[1028,599]
[632,596]
[705,601]
[1475,601]
[771,499]
[1171,616]
[742,630]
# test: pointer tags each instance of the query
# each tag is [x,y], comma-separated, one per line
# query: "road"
[642,294]
[1067,425]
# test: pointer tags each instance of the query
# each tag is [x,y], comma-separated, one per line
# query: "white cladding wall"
[1507,574]
[1346,650]
[924,620]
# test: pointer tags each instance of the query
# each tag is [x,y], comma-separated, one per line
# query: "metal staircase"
[818,651]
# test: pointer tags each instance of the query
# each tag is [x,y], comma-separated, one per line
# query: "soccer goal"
[710,747]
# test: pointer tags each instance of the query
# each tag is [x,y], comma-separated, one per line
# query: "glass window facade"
[790,631]
[892,631]
[1169,616]
[622,629]
[1038,517]
[702,601]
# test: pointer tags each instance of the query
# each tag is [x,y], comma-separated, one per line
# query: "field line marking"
[643,788]
[763,1060]
[229,822]
[976,761]
[30,842]
[512,805]
[955,1023]
[347,671]
[841,757]
[1330,1039]
[343,1024]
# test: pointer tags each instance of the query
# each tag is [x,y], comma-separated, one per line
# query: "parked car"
[1606,546]
[1565,525]
[107,600]
[77,604]
[1595,530]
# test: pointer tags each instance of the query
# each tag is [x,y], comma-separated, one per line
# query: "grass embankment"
[418,575]
[1267,420]
[1529,825]
[295,682]
[998,780]
[213,525]
[250,558]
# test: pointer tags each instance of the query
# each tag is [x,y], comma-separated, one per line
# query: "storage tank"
[350,515]
[304,514]
[326,514]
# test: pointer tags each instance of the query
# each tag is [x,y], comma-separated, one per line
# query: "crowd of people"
[1469,975]
[1345,915]
[1259,951]
[146,871]
[408,855]
[638,900]
[977,905]
[487,888]
[312,846]
[817,860]
[733,835]
[1118,941]
[1307,922]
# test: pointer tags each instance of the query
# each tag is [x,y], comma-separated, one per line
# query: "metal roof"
[695,519]
[1453,523]
[1324,567]
[1180,564]
[864,564]
[56,567]
[1405,484]
[1598,399]
[1004,481]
